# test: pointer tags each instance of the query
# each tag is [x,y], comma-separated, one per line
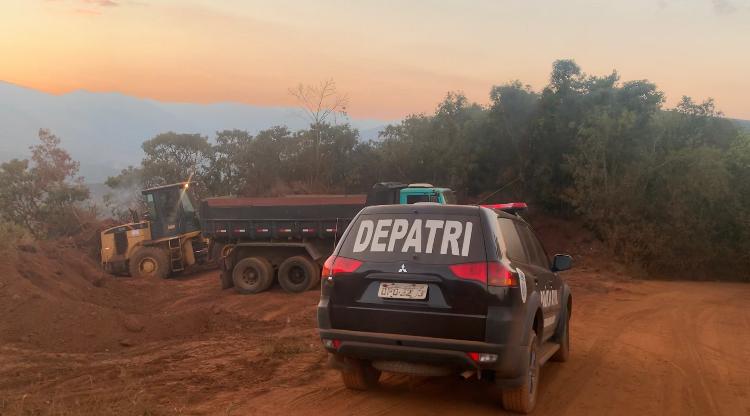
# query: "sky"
[391,58]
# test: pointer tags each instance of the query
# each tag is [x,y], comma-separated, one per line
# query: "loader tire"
[252,275]
[149,262]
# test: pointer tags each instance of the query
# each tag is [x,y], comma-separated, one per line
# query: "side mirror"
[562,262]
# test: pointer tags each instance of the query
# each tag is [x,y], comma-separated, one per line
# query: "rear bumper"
[450,353]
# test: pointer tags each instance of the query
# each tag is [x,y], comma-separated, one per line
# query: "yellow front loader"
[166,241]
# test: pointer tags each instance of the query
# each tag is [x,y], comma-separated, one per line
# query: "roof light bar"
[511,207]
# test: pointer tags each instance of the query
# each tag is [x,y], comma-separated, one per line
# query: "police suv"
[433,290]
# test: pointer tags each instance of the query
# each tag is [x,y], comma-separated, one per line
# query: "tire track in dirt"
[561,398]
[638,348]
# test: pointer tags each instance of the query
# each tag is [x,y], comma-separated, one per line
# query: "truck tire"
[563,338]
[252,275]
[149,262]
[298,274]
[359,375]
[522,399]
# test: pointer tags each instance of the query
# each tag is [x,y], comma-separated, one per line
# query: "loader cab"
[171,210]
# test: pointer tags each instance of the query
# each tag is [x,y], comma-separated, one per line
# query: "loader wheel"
[522,399]
[252,275]
[298,274]
[359,375]
[149,262]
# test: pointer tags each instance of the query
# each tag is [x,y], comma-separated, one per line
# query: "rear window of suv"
[423,238]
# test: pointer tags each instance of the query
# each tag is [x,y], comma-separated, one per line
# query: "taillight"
[332,344]
[470,271]
[338,265]
[498,275]
[482,357]
[328,266]
[491,273]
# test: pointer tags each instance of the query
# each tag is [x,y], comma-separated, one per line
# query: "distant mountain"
[743,124]
[104,131]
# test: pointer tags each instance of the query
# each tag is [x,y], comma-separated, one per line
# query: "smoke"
[724,6]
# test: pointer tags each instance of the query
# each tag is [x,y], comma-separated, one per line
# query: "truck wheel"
[298,274]
[522,399]
[563,338]
[149,262]
[359,375]
[252,275]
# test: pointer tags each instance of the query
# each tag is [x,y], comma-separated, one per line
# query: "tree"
[319,103]
[228,171]
[172,157]
[42,194]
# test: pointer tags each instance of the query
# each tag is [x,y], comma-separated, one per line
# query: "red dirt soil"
[75,341]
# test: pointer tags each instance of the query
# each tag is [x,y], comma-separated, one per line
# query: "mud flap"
[225,273]
[563,311]
[226,279]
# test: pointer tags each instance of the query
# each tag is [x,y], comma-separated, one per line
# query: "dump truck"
[287,236]
[259,240]
[165,241]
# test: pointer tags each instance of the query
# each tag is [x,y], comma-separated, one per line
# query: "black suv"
[433,289]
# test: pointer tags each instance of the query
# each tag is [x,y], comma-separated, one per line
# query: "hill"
[104,131]
[743,124]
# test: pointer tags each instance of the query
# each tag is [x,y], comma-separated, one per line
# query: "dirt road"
[639,347]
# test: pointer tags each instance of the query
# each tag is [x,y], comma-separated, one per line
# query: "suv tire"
[359,375]
[522,399]
[252,275]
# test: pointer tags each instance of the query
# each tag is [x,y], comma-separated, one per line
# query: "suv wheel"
[359,375]
[522,399]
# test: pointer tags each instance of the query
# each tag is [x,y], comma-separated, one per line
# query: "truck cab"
[425,192]
[396,193]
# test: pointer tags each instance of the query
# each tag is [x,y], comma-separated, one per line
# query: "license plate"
[402,291]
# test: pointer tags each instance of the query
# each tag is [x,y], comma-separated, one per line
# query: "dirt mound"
[74,341]
[56,298]
[567,236]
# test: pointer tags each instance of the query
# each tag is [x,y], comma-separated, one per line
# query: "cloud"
[87,12]
[92,7]
[723,6]
[103,3]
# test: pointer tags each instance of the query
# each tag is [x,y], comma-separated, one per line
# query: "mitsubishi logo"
[402,269]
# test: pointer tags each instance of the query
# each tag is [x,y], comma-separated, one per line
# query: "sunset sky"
[391,57]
